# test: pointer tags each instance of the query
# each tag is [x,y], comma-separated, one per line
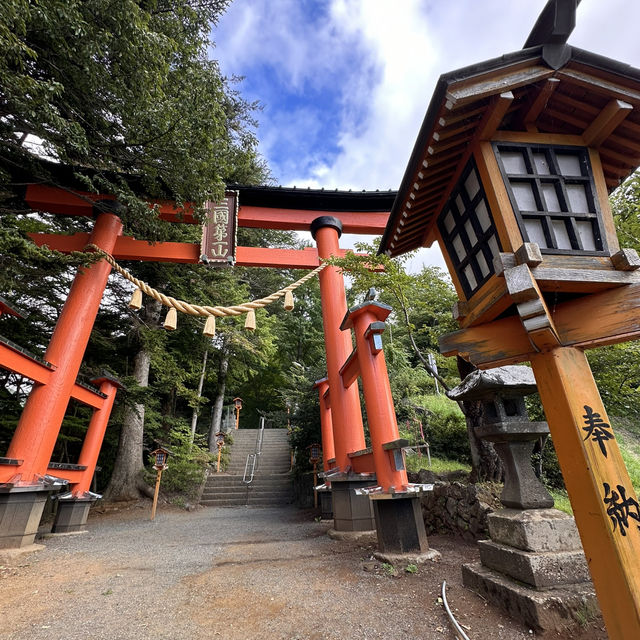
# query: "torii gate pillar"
[350,511]
[22,497]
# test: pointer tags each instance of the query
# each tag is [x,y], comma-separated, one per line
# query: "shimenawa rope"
[200,310]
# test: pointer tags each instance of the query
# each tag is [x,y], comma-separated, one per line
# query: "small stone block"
[550,610]
[626,260]
[529,253]
[541,570]
[534,529]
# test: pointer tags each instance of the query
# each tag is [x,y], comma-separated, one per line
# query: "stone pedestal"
[72,514]
[534,568]
[20,513]
[400,527]
[352,512]
[326,503]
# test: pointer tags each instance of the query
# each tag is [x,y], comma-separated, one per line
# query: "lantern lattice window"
[553,195]
[469,233]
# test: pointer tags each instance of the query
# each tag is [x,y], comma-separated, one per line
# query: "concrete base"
[553,609]
[351,512]
[534,529]
[326,504]
[535,569]
[353,536]
[72,514]
[20,513]
[408,558]
[400,524]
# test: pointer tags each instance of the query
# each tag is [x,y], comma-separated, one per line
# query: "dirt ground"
[236,574]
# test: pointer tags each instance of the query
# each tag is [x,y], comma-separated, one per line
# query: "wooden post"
[155,494]
[603,500]
[219,455]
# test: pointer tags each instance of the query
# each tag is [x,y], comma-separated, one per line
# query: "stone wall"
[457,508]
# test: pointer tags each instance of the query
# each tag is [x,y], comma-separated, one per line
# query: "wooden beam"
[361,222]
[603,87]
[493,118]
[607,317]
[488,86]
[59,201]
[128,248]
[24,365]
[606,122]
[540,101]
[350,370]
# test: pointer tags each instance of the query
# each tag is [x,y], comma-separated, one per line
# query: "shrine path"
[236,574]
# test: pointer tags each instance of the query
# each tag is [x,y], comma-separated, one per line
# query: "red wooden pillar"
[95,435]
[39,425]
[348,432]
[326,424]
[367,321]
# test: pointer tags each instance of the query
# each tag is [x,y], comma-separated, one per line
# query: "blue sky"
[344,84]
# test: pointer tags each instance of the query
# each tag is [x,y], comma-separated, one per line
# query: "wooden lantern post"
[511,174]
[237,403]
[220,444]
[160,465]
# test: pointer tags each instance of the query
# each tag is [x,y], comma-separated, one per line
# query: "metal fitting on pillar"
[325,221]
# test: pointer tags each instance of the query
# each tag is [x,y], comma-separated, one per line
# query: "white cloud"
[401,50]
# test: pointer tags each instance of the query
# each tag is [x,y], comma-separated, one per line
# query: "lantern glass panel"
[553,196]
[524,196]
[535,232]
[542,164]
[562,235]
[569,164]
[578,202]
[468,232]
[514,162]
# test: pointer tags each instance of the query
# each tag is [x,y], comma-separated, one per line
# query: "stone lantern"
[533,565]
[507,425]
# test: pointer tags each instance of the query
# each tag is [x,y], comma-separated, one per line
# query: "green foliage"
[186,464]
[444,427]
[438,465]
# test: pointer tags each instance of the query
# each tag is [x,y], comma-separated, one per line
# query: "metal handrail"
[253,459]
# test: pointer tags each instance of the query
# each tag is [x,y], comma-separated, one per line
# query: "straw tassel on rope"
[210,327]
[136,300]
[288,301]
[250,322]
[199,310]
[171,321]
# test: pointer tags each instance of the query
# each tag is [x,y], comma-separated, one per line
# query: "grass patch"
[561,500]
[630,450]
[438,465]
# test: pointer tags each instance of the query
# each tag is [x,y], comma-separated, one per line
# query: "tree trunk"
[485,463]
[126,480]
[218,402]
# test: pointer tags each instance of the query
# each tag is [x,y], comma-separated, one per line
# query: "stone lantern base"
[534,568]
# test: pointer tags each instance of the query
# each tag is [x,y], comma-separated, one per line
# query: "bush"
[186,464]
[445,428]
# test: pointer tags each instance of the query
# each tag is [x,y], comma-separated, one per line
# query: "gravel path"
[231,573]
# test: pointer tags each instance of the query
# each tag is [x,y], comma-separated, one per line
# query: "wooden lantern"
[511,174]
[160,456]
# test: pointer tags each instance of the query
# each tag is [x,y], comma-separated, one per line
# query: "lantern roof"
[549,89]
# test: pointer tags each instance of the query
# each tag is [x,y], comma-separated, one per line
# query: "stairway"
[271,483]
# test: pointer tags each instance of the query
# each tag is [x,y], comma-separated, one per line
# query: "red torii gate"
[327,214]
